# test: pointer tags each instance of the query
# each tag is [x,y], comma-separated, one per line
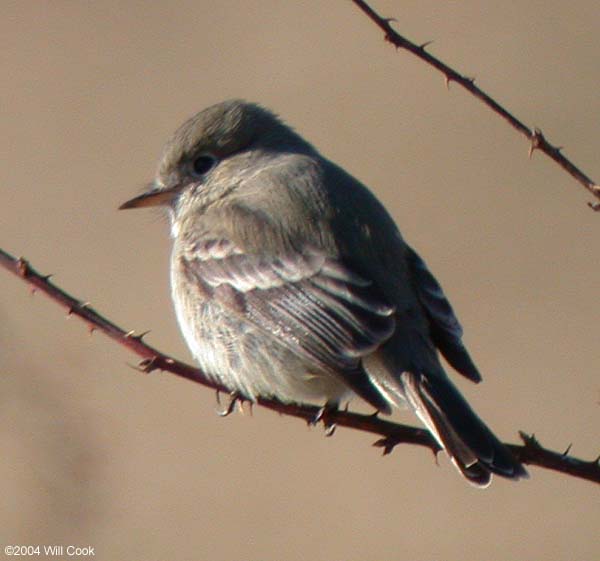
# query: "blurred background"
[94,453]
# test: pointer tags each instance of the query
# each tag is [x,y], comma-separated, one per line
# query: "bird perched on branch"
[290,280]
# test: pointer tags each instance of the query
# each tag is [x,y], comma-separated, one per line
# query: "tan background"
[94,453]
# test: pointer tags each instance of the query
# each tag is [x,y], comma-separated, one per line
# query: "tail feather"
[471,445]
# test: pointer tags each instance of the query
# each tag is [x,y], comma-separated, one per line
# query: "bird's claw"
[323,415]
[234,399]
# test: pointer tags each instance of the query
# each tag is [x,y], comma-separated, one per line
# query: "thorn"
[46,278]
[447,80]
[470,79]
[529,440]
[389,38]
[536,140]
[22,267]
[566,452]
[129,334]
[389,20]
[77,306]
[91,329]
[423,46]
[141,335]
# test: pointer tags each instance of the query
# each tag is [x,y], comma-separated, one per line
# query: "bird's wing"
[311,303]
[446,331]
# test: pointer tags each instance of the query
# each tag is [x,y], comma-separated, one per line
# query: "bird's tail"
[471,445]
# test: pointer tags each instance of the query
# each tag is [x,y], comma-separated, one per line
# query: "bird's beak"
[155,196]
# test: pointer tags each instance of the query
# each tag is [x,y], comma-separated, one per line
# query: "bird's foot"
[324,415]
[234,399]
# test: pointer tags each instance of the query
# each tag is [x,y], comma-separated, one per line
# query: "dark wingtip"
[457,356]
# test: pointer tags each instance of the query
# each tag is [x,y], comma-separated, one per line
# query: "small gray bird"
[290,280]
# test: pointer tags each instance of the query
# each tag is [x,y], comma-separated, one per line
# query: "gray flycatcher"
[291,280]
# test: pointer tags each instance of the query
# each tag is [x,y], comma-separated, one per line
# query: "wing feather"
[313,304]
[446,330]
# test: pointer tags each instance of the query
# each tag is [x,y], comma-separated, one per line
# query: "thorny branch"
[537,141]
[391,434]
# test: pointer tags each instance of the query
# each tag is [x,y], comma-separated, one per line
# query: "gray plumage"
[291,280]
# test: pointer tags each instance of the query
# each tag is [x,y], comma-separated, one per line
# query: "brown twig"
[392,434]
[537,141]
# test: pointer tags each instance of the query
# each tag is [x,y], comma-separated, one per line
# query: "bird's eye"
[203,163]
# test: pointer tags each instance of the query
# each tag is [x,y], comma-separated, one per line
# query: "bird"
[290,280]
